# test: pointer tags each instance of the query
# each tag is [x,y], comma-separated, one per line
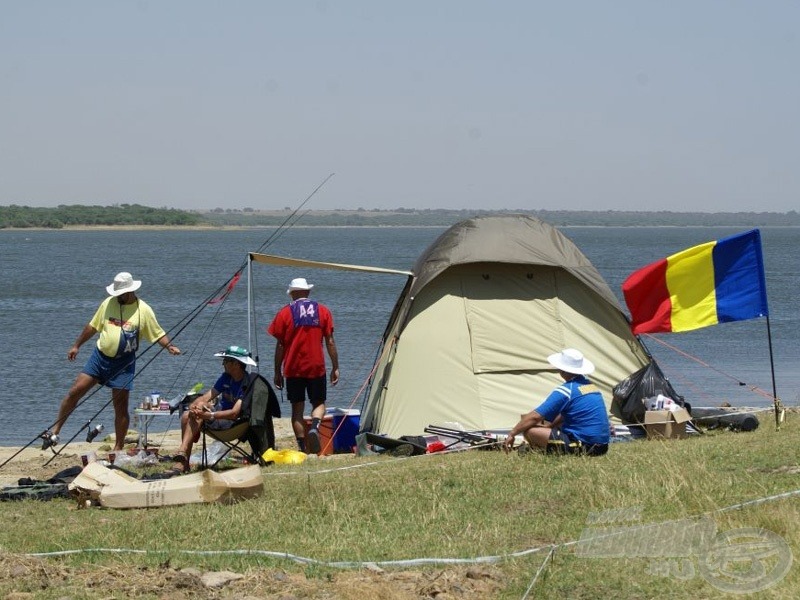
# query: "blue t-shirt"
[582,408]
[229,391]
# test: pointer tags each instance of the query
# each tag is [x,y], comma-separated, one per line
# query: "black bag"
[630,393]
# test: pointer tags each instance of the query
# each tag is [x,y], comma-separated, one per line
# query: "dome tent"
[469,336]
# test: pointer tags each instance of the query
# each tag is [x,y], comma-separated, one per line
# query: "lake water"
[51,282]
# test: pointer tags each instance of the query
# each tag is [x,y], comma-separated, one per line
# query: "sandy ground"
[33,461]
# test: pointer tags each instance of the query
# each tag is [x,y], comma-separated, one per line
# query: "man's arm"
[532,419]
[279,351]
[204,401]
[85,335]
[330,344]
[230,414]
[169,346]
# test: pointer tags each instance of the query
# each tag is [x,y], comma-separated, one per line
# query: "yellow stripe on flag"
[690,281]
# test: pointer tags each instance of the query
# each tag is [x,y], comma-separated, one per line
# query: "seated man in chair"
[219,407]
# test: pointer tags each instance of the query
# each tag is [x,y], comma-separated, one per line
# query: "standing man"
[299,328]
[573,419]
[120,320]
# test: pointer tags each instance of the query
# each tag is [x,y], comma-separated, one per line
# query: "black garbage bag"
[628,403]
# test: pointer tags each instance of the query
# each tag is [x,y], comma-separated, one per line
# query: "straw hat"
[571,361]
[123,283]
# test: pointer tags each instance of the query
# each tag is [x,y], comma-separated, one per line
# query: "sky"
[689,105]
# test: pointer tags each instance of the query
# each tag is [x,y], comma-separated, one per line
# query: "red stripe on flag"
[647,297]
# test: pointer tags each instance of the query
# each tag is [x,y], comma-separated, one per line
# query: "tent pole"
[775,400]
[249,303]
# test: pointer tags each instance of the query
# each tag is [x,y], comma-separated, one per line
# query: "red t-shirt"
[303,355]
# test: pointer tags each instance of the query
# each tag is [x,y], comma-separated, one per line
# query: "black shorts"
[561,443]
[298,387]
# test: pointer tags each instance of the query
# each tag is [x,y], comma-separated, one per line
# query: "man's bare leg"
[83,383]
[121,417]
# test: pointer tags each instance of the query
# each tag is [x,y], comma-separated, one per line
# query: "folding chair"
[254,426]
[232,439]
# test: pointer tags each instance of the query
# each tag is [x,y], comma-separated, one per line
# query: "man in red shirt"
[299,328]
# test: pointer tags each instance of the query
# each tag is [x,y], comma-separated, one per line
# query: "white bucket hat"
[571,361]
[238,353]
[299,284]
[123,283]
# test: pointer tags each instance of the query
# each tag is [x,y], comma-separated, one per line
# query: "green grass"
[466,505]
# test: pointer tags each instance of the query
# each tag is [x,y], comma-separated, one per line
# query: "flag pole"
[775,400]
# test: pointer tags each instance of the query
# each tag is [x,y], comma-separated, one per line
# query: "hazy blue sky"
[618,105]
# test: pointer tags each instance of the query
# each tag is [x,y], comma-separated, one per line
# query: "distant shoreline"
[249,227]
[214,227]
[143,218]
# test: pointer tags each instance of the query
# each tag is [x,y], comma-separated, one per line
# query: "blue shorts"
[561,443]
[315,387]
[116,373]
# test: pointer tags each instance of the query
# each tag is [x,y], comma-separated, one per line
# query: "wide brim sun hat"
[123,283]
[571,361]
[299,284]
[238,353]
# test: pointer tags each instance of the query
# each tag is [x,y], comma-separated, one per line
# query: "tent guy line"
[492,558]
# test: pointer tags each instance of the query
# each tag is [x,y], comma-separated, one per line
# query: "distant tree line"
[15,216]
[445,218]
[78,214]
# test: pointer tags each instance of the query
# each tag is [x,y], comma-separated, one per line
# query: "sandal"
[183,460]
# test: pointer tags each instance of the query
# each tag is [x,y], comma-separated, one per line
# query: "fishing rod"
[44,435]
[279,231]
[252,328]
[223,291]
[176,330]
[101,409]
[285,226]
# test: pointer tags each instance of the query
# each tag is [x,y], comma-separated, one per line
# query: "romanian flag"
[712,283]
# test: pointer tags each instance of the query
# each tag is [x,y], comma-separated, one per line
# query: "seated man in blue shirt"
[220,406]
[573,419]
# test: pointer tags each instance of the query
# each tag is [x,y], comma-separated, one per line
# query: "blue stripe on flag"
[739,281]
